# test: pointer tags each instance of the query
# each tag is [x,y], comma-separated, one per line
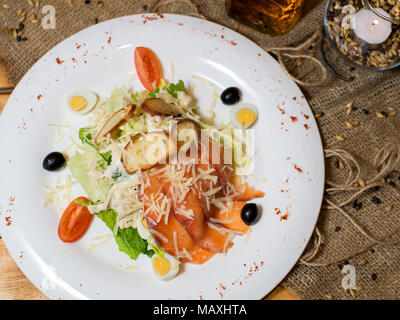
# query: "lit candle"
[370,27]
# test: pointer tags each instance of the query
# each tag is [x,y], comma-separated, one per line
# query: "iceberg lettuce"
[86,168]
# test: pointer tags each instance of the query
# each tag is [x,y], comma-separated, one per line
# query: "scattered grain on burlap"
[358,223]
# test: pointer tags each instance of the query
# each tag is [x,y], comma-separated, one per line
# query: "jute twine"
[195,11]
[386,161]
[302,51]
[364,159]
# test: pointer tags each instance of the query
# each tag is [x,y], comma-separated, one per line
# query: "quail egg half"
[243,115]
[82,102]
[166,267]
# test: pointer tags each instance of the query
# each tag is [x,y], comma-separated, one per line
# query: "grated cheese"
[247,234]
[186,213]
[213,104]
[223,230]
[68,186]
[172,67]
[212,191]
[60,194]
[203,80]
[227,241]
[102,236]
[159,234]
[59,132]
[133,78]
[227,221]
[94,246]
[187,254]
[129,268]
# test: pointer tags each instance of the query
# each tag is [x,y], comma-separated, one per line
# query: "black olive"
[249,213]
[230,95]
[53,161]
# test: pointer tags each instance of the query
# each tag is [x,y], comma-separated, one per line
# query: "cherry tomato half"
[74,221]
[147,67]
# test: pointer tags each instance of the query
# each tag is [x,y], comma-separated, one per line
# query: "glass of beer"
[274,17]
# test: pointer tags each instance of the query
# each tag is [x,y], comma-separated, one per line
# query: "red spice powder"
[281,110]
[8,221]
[59,61]
[156,17]
[306,126]
[233,43]
[284,217]
[109,40]
[297,168]
[39,97]
[294,119]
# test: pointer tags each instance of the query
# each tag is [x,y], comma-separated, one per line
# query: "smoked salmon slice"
[192,216]
[231,219]
[219,157]
[247,193]
[168,232]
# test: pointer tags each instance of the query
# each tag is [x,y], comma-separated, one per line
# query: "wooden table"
[14,284]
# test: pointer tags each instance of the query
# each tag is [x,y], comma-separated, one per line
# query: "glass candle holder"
[366,32]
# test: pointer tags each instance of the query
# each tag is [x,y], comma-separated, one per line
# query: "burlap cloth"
[347,234]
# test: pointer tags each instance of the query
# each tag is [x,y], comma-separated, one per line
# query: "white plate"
[101,57]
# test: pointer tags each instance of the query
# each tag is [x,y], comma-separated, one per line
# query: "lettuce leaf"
[174,88]
[84,203]
[85,136]
[154,92]
[107,157]
[128,240]
[81,164]
[119,98]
